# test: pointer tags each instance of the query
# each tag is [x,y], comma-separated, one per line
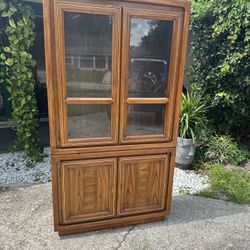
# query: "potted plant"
[192,124]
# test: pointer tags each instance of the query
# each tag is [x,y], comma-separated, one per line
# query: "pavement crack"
[125,237]
[31,214]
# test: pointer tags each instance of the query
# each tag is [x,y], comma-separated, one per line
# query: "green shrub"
[16,70]
[234,183]
[199,157]
[222,149]
[192,121]
[208,193]
[221,52]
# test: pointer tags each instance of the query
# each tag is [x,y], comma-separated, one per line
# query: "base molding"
[110,223]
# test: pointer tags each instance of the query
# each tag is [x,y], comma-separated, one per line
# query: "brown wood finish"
[89,100]
[168,147]
[142,184]
[170,183]
[52,104]
[182,52]
[49,43]
[147,100]
[88,190]
[174,3]
[94,155]
[111,223]
[103,182]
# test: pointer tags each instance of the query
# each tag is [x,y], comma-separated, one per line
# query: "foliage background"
[221,50]
[17,37]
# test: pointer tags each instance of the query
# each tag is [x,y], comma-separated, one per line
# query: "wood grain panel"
[87,190]
[142,184]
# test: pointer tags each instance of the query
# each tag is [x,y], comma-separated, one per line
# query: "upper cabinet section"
[117,71]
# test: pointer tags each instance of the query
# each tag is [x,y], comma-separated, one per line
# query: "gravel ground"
[189,181]
[15,169]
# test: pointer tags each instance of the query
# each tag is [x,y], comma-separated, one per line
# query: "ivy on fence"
[17,37]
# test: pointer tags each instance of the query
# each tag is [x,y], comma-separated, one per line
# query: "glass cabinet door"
[149,62]
[88,42]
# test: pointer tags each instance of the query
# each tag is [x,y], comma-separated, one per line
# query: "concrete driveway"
[195,223]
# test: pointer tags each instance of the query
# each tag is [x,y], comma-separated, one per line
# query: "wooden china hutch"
[115,72]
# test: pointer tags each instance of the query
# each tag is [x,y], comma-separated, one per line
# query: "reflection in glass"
[88,48]
[145,119]
[89,120]
[150,45]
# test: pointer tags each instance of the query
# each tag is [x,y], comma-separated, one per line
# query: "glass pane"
[145,119]
[150,45]
[88,48]
[89,120]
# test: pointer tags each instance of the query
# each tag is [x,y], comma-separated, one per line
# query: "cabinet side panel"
[52,108]
[183,51]
[170,182]
[49,43]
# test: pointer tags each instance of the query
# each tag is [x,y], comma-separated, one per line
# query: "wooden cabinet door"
[149,77]
[142,184]
[88,54]
[87,190]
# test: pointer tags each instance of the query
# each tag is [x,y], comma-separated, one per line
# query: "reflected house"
[93,67]
[88,50]
[88,62]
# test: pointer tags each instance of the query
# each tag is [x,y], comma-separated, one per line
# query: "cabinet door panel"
[87,49]
[142,184]
[149,73]
[87,190]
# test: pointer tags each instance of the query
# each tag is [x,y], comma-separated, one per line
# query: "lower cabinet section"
[95,191]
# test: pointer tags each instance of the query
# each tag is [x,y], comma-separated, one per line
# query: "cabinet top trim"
[176,3]
[172,3]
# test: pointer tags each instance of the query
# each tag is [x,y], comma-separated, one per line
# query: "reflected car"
[147,77]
